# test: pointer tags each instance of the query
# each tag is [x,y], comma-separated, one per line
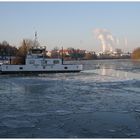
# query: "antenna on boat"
[35,35]
[62,56]
[35,40]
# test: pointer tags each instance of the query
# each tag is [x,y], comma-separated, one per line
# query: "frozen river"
[103,101]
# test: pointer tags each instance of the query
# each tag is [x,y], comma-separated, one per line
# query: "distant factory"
[108,45]
[110,54]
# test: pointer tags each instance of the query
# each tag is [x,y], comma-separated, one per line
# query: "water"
[103,101]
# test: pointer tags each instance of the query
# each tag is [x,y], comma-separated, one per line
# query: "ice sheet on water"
[65,94]
[15,123]
[114,74]
[63,112]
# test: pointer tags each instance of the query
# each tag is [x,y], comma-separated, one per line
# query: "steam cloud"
[107,40]
[125,42]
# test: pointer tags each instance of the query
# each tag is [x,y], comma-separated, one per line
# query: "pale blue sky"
[70,24]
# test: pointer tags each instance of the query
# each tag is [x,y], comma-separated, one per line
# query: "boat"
[35,62]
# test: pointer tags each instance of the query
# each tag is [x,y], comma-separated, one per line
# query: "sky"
[71,24]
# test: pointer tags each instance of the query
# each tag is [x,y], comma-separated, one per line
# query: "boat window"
[20,68]
[39,56]
[37,51]
[56,61]
[65,67]
[32,61]
[45,61]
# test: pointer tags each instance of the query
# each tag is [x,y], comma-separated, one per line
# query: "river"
[102,101]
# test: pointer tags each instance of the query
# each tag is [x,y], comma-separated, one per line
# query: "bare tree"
[136,53]
[22,51]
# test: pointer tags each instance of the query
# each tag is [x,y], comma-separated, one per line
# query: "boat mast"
[35,36]
[35,41]
[62,56]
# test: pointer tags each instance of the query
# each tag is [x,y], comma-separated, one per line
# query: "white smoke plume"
[118,42]
[107,40]
[125,41]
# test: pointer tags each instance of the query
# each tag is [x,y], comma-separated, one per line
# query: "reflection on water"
[104,71]
[118,73]
[115,73]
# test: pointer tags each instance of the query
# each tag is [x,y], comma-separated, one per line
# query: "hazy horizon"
[83,25]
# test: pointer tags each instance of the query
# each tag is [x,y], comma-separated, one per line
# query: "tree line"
[7,50]
[73,54]
[19,54]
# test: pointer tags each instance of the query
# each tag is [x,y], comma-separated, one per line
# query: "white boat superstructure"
[36,63]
